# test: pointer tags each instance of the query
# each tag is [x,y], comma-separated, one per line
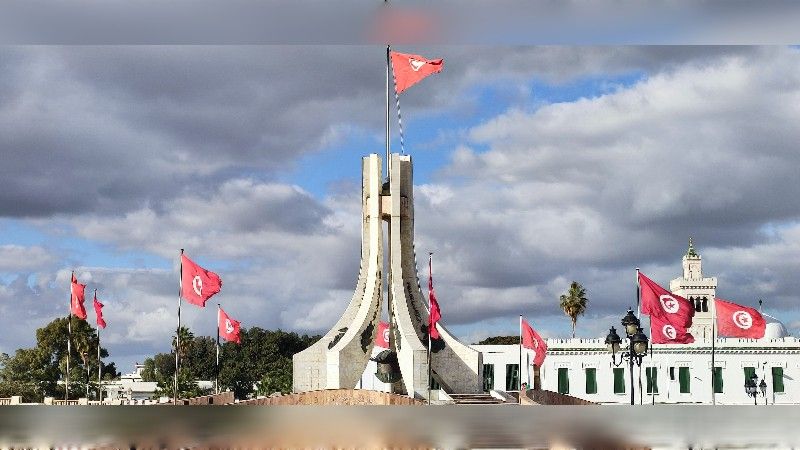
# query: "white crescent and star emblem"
[669,303]
[743,319]
[197,285]
[228,326]
[386,335]
[416,64]
[669,332]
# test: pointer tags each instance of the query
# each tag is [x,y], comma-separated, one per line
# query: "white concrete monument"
[337,361]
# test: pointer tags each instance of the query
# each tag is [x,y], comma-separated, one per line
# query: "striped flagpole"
[399,115]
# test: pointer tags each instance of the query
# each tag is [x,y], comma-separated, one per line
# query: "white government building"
[670,373]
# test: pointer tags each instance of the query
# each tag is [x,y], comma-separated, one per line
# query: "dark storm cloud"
[114,128]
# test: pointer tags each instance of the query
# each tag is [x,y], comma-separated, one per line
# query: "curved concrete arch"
[338,359]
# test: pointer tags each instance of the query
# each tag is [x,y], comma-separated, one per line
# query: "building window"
[652,380]
[591,380]
[512,377]
[717,380]
[488,377]
[705,304]
[619,380]
[563,380]
[749,373]
[777,379]
[684,380]
[434,385]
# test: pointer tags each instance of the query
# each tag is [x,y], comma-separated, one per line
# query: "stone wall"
[542,397]
[336,397]
[223,398]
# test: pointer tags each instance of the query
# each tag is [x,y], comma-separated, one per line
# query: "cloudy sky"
[534,166]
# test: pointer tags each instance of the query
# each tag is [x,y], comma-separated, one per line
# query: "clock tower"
[699,290]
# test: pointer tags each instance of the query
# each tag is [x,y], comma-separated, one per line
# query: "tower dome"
[775,328]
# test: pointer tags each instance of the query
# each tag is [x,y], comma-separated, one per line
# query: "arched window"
[705,304]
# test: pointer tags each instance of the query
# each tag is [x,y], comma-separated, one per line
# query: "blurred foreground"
[499,426]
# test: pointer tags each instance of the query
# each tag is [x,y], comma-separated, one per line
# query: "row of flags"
[197,286]
[671,316]
[77,299]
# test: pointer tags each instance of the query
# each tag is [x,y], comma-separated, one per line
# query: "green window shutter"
[488,377]
[512,377]
[563,380]
[591,380]
[777,379]
[619,380]
[684,380]
[749,372]
[652,380]
[717,380]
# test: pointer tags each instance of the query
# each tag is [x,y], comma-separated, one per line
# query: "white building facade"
[670,373]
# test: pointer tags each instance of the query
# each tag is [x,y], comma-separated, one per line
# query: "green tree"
[261,363]
[574,303]
[40,371]
[500,340]
[186,338]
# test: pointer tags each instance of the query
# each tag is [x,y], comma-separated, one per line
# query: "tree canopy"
[38,372]
[261,364]
[500,340]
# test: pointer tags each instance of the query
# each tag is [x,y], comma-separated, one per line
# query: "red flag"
[532,340]
[197,283]
[228,328]
[98,310]
[738,321]
[435,313]
[658,302]
[665,332]
[382,338]
[76,298]
[410,69]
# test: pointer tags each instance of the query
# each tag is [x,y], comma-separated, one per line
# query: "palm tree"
[574,303]
[186,339]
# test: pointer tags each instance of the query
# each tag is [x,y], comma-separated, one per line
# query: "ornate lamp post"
[751,387]
[637,347]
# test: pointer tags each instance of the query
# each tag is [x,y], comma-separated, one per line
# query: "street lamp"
[637,345]
[752,386]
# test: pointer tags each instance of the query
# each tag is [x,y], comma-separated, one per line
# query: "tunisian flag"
[98,310]
[197,283]
[532,340]
[739,321]
[659,302]
[664,332]
[410,69]
[435,313]
[77,297]
[228,328]
[670,314]
[382,338]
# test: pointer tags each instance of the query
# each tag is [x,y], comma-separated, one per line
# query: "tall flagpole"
[216,380]
[69,337]
[519,372]
[178,331]
[639,316]
[99,365]
[388,134]
[430,283]
[713,348]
